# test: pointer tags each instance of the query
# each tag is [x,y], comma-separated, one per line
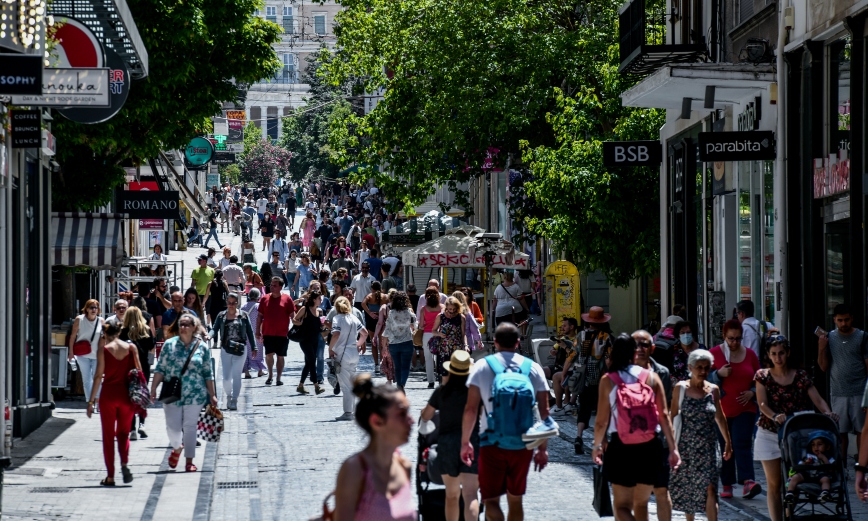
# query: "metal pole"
[780,185]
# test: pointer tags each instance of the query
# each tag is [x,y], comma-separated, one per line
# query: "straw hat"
[459,363]
[596,315]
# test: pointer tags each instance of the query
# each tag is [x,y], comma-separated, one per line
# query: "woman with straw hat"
[450,399]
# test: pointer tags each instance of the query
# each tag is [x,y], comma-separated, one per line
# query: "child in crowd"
[819,452]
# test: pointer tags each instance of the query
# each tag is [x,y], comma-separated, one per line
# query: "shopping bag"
[210,424]
[138,389]
[602,500]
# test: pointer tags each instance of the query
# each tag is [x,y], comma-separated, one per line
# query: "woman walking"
[308,320]
[459,478]
[307,227]
[158,257]
[227,258]
[266,229]
[306,274]
[248,250]
[137,331]
[687,343]
[345,350]
[197,387]
[632,468]
[236,332]
[430,312]
[371,306]
[471,328]
[781,391]
[87,327]
[733,370]
[374,484]
[450,328]
[255,349]
[693,485]
[252,279]
[507,307]
[194,303]
[216,295]
[398,332]
[291,265]
[114,361]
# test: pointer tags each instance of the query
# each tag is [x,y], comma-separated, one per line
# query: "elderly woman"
[781,390]
[344,349]
[235,330]
[450,328]
[255,349]
[693,485]
[197,387]
[733,370]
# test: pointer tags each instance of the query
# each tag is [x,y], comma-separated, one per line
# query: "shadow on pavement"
[44,436]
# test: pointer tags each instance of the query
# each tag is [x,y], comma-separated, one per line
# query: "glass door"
[837,269]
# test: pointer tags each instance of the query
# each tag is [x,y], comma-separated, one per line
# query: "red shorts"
[502,471]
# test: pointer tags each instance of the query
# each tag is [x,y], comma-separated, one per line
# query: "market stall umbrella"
[452,250]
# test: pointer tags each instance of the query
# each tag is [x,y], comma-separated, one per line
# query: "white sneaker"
[233,404]
[377,369]
[569,408]
[347,416]
[133,436]
[557,410]
[534,444]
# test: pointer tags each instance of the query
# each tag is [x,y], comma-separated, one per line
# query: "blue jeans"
[741,462]
[212,233]
[320,351]
[290,280]
[402,354]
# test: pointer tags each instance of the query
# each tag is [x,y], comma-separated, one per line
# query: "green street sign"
[199,152]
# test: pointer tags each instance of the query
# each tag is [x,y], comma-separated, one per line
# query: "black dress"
[310,333]
[217,298]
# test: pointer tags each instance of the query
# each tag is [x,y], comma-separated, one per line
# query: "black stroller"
[795,437]
[432,500]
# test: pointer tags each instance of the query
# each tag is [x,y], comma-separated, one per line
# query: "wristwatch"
[861,468]
[90,402]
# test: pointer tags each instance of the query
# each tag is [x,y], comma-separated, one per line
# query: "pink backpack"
[637,409]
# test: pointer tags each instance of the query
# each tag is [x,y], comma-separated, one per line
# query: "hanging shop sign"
[77,45]
[219,142]
[832,175]
[153,224]
[26,128]
[71,88]
[212,180]
[224,158]
[236,120]
[199,152]
[20,74]
[118,91]
[632,153]
[235,147]
[755,145]
[147,204]
[750,117]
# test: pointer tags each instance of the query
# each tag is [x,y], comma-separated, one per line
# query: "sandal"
[318,389]
[128,476]
[191,468]
[247,376]
[173,458]
[107,482]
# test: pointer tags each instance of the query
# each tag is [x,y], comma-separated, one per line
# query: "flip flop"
[107,483]
[173,458]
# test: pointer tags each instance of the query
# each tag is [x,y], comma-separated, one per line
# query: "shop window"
[756,236]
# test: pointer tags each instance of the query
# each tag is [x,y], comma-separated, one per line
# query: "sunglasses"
[644,345]
[232,303]
[92,307]
[778,339]
[186,324]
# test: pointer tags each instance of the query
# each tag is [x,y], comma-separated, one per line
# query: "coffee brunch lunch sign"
[754,145]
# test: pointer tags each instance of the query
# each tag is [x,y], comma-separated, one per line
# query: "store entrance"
[837,267]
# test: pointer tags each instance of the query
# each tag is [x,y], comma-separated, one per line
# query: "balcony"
[643,39]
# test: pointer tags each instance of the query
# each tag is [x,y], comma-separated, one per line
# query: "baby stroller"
[432,500]
[795,437]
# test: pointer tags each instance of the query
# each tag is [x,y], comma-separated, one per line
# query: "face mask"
[686,339]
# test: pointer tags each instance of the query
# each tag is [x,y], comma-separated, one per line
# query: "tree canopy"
[200,53]
[264,163]
[535,80]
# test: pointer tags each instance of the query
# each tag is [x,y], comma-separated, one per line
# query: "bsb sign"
[632,153]
[147,204]
[755,145]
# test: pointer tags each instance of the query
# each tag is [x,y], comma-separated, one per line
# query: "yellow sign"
[562,292]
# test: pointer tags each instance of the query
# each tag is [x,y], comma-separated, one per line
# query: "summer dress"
[700,455]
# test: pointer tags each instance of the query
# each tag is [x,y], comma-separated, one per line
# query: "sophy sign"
[756,145]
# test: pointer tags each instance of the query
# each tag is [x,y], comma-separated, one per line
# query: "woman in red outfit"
[116,410]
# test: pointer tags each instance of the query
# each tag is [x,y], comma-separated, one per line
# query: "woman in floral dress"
[693,485]
[254,362]
[450,328]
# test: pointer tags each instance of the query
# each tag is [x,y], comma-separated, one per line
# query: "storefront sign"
[749,119]
[831,175]
[235,147]
[236,120]
[70,87]
[632,153]
[224,158]
[152,224]
[199,152]
[148,205]
[26,128]
[756,145]
[20,73]
[461,260]
[118,91]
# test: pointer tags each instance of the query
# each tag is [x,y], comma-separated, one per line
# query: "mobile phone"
[820,332]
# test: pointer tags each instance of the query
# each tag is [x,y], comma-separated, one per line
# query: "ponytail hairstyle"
[373,399]
[377,291]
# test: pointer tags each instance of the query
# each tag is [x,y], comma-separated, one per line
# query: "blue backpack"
[512,402]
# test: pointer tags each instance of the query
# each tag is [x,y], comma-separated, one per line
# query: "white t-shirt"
[482,376]
[362,285]
[506,300]
[751,331]
[349,327]
[261,205]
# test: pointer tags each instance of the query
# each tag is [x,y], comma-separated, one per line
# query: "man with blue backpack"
[510,388]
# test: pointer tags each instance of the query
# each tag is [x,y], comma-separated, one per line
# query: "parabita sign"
[755,145]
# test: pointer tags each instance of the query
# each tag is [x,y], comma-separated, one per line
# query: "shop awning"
[667,88]
[453,251]
[88,239]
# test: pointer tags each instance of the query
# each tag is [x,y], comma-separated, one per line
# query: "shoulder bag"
[171,390]
[295,333]
[677,421]
[84,347]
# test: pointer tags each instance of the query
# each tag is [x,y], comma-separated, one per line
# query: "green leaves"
[199,51]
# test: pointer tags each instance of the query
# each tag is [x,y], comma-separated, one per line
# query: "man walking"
[753,330]
[224,206]
[504,456]
[278,245]
[234,275]
[272,325]
[361,284]
[170,316]
[213,221]
[594,343]
[844,355]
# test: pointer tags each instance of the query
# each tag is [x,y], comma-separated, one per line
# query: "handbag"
[138,389]
[602,500]
[417,337]
[677,421]
[576,383]
[295,333]
[83,347]
[171,390]
[210,424]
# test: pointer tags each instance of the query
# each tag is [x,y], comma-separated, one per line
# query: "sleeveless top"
[310,326]
[375,506]
[86,332]
[115,374]
[430,316]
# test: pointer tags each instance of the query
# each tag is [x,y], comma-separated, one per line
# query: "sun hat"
[459,364]
[595,315]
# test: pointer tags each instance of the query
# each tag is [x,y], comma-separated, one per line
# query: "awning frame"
[88,239]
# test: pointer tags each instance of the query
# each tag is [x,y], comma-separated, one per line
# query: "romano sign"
[756,145]
[147,204]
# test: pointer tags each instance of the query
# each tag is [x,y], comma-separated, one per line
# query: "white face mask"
[686,339]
